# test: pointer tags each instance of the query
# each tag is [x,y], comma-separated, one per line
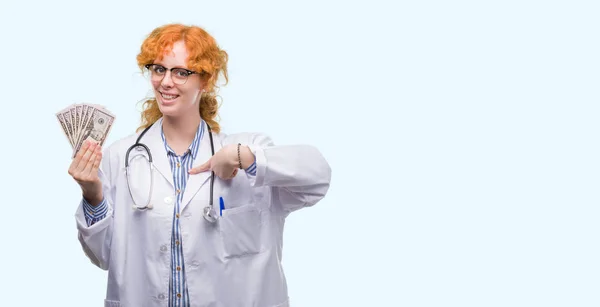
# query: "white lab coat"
[235,262]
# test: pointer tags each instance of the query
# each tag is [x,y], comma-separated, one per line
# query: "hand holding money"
[86,127]
[84,169]
[83,122]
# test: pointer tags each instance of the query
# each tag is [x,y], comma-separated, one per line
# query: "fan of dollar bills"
[82,122]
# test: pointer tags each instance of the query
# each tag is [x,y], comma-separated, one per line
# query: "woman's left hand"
[224,163]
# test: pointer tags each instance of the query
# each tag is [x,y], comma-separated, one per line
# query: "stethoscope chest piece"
[210,214]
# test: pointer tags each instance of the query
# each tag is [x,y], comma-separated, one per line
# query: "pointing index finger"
[201,168]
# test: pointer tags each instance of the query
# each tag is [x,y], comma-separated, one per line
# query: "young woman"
[204,226]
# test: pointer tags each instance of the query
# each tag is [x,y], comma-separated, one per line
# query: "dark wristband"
[239,156]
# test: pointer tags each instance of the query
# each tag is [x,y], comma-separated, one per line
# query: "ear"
[205,82]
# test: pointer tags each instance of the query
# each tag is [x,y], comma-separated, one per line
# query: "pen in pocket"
[222,206]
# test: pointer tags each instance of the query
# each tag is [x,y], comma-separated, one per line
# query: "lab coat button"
[161,296]
[163,248]
[168,200]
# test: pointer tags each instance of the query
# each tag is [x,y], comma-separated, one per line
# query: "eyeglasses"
[178,75]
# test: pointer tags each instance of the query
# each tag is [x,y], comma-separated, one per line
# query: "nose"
[166,80]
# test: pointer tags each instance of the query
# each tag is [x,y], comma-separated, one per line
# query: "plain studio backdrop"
[462,137]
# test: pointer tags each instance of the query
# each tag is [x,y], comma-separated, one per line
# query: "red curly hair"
[204,56]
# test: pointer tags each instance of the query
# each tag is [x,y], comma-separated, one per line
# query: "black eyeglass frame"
[189,72]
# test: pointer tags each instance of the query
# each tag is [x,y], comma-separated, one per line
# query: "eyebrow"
[171,67]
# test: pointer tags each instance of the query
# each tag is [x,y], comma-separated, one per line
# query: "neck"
[180,131]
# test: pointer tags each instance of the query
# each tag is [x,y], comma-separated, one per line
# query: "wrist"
[245,157]
[93,198]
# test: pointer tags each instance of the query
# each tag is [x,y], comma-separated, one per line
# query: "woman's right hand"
[84,169]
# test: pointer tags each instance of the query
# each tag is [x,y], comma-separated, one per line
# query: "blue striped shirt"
[180,164]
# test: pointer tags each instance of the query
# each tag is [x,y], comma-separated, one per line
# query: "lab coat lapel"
[153,140]
[196,181]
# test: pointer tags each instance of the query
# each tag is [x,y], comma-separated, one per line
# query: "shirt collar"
[193,149]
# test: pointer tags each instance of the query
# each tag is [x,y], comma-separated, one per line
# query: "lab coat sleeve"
[299,175]
[95,238]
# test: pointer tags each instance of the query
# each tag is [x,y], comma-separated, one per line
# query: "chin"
[175,108]
[171,110]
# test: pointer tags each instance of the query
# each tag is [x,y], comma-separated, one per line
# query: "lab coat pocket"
[241,231]
[109,303]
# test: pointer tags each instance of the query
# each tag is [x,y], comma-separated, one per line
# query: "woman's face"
[175,99]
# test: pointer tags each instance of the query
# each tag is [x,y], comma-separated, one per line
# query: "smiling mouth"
[168,96]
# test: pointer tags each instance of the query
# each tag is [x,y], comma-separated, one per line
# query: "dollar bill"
[86,111]
[78,119]
[97,127]
[69,124]
[63,124]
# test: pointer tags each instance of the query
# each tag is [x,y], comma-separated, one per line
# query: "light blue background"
[462,137]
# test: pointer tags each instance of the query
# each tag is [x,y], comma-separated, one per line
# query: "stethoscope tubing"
[209,212]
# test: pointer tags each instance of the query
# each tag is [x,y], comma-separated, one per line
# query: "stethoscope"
[209,212]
